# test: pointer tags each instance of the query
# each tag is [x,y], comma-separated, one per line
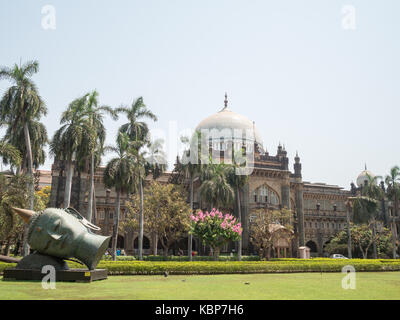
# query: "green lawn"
[369,285]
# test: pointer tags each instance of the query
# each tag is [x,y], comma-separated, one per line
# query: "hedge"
[183,258]
[220,267]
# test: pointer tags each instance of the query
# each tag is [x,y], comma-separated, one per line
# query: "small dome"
[227,119]
[362,177]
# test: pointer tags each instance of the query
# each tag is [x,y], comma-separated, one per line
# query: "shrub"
[237,267]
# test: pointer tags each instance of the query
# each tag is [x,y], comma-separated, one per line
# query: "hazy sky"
[294,67]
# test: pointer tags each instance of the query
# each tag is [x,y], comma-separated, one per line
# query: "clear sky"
[294,67]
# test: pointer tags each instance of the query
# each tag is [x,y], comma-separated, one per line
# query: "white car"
[338,256]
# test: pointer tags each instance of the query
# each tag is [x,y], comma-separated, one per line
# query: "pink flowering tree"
[215,229]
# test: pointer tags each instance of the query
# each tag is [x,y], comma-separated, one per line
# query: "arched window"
[264,194]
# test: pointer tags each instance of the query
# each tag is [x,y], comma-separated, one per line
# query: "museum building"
[319,209]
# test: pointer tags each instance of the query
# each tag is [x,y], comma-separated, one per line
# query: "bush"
[236,267]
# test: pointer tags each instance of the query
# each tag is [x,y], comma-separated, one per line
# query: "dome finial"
[365,166]
[226,101]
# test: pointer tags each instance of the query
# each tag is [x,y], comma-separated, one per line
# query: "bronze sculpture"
[56,235]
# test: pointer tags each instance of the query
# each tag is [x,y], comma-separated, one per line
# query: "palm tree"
[215,188]
[95,114]
[138,132]
[156,159]
[10,152]
[119,174]
[39,139]
[365,207]
[191,167]
[392,181]
[238,180]
[73,140]
[19,105]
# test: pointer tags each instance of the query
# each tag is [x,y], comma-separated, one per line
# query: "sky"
[320,76]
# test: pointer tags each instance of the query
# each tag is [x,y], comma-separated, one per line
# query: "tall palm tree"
[19,105]
[238,180]
[136,129]
[138,132]
[191,167]
[119,174]
[366,206]
[73,140]
[392,181]
[95,114]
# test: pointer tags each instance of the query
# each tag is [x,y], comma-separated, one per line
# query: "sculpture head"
[64,233]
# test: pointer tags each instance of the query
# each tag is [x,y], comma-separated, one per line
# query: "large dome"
[362,177]
[227,119]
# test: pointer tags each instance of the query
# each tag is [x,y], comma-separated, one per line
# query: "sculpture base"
[72,275]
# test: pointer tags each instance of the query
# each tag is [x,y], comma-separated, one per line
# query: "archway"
[146,243]
[312,245]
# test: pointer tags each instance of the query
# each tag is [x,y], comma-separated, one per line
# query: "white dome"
[362,177]
[227,119]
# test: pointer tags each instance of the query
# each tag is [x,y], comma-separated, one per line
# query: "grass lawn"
[369,285]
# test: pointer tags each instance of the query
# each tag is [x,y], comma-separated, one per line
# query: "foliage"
[268,226]
[215,188]
[215,228]
[136,130]
[362,240]
[238,267]
[166,213]
[42,198]
[8,151]
[13,193]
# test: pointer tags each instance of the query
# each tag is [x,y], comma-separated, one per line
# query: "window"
[266,195]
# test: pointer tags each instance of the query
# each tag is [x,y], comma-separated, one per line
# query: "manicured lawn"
[369,285]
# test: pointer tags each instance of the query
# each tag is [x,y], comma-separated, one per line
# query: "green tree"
[392,181]
[73,141]
[119,174]
[138,132]
[39,139]
[20,104]
[191,167]
[267,226]
[10,152]
[156,159]
[13,193]
[238,178]
[215,188]
[95,116]
[167,213]
[366,206]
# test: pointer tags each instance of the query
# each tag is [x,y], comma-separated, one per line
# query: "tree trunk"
[91,189]
[31,185]
[165,251]
[215,253]
[348,234]
[190,238]
[375,253]
[94,207]
[269,253]
[116,225]
[240,242]
[155,244]
[394,235]
[7,248]
[141,220]
[68,184]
